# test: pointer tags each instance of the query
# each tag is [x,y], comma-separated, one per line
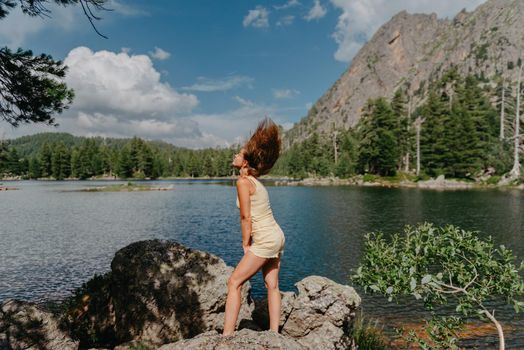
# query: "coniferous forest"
[461,135]
[61,156]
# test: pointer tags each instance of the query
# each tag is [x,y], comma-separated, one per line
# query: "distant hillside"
[28,146]
[412,49]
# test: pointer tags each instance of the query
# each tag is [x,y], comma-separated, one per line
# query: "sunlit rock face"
[319,316]
[25,325]
[412,49]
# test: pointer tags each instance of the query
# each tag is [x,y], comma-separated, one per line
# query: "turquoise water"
[52,239]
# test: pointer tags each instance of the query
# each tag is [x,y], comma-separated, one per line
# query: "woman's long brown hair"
[263,148]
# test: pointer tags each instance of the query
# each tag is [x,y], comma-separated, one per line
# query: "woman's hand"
[246,248]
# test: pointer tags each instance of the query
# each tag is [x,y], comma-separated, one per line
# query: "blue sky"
[200,73]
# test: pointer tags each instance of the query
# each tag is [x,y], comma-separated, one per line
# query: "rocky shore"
[439,183]
[162,295]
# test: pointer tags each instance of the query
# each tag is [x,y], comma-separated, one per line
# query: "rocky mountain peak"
[412,49]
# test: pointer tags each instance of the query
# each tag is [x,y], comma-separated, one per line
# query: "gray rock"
[157,292]
[261,314]
[320,316]
[163,291]
[244,339]
[440,183]
[27,326]
[327,337]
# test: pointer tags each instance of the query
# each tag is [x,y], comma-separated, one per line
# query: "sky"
[201,73]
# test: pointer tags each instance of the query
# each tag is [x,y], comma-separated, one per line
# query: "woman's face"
[238,159]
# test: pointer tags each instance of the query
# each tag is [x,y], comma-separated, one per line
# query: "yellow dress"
[267,237]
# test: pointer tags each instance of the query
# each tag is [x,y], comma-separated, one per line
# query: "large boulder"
[320,316]
[160,292]
[26,325]
[244,339]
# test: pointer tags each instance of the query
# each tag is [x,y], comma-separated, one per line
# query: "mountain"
[412,49]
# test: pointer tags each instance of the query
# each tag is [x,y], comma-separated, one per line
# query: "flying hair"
[263,148]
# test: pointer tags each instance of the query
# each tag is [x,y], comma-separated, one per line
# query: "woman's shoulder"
[247,181]
[243,180]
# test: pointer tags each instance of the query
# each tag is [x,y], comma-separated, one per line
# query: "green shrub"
[369,178]
[493,180]
[439,265]
[367,335]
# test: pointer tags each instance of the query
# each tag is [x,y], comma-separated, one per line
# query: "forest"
[465,126]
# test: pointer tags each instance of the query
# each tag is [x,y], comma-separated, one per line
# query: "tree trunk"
[502,110]
[502,344]
[406,158]
[418,124]
[515,171]
[335,151]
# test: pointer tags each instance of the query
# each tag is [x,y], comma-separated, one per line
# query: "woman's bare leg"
[270,271]
[247,267]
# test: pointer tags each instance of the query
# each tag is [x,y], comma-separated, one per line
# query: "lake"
[53,239]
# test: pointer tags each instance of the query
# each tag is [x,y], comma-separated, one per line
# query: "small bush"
[493,180]
[367,335]
[370,178]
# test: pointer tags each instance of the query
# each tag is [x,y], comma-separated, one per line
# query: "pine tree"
[125,165]
[398,105]
[61,161]
[434,146]
[35,168]
[348,155]
[13,162]
[378,148]
[45,160]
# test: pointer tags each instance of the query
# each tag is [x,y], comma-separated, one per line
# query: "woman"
[262,238]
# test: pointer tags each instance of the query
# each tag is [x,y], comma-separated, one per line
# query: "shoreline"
[439,183]
[431,184]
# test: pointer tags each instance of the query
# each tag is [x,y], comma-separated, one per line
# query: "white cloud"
[125,9]
[285,21]
[316,12]
[360,19]
[109,82]
[290,3]
[209,85]
[285,93]
[17,27]
[244,102]
[112,126]
[257,18]
[159,54]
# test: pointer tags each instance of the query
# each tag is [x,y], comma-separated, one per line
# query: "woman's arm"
[245,211]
